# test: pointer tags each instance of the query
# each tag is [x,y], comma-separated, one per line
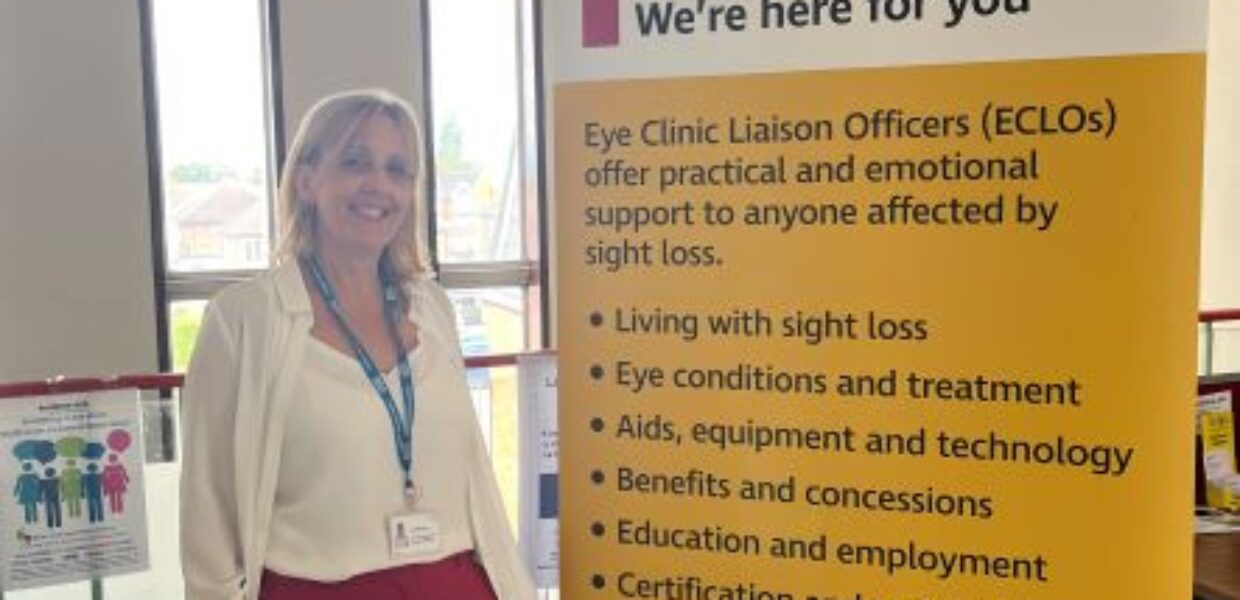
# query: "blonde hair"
[326,128]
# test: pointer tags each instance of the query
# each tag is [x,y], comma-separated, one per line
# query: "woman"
[326,408]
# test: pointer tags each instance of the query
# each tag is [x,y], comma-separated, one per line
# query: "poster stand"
[164,383]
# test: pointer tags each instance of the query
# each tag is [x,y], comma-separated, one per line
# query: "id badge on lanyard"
[410,532]
[413,534]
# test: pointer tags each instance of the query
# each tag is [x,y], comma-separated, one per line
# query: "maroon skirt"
[457,577]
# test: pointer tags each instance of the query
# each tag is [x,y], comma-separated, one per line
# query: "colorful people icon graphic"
[92,490]
[115,482]
[71,488]
[50,487]
[28,492]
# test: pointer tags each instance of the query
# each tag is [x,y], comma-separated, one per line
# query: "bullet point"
[596,319]
[596,477]
[596,372]
[598,582]
[596,424]
[597,529]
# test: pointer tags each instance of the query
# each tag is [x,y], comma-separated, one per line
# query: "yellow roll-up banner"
[881,300]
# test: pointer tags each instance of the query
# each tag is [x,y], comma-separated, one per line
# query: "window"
[212,123]
[485,174]
[184,318]
[485,198]
[218,176]
[215,152]
[476,107]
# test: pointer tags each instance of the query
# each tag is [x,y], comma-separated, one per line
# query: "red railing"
[1216,316]
[61,385]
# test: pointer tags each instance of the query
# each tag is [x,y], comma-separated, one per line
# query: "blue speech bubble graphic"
[40,450]
[24,450]
[94,451]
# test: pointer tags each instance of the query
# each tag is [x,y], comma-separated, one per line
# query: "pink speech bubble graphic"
[119,440]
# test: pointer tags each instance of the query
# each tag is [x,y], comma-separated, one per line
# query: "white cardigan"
[235,401]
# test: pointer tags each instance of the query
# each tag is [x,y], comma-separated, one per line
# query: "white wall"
[329,46]
[1221,233]
[76,292]
[1220,261]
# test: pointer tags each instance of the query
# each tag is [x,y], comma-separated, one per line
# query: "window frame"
[528,273]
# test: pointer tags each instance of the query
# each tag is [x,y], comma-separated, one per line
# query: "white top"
[238,398]
[339,477]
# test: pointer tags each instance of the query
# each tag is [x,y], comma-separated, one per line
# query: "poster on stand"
[540,519]
[73,464]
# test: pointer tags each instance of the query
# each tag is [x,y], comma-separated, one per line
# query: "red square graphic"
[600,23]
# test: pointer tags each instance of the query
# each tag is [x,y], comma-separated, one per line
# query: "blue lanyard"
[402,428]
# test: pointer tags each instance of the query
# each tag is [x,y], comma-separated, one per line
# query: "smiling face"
[360,190]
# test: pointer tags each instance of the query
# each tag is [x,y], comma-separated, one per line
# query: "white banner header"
[592,40]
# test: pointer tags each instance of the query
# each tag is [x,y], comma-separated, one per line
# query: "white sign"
[76,511]
[540,516]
